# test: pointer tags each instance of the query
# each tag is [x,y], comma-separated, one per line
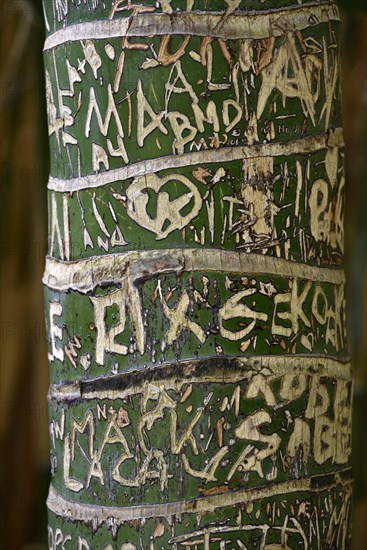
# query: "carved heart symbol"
[168,216]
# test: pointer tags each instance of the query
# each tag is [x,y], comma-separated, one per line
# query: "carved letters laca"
[200,381]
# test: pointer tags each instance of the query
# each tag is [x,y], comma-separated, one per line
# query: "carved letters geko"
[233,314]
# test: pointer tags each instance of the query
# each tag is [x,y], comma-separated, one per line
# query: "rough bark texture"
[200,384]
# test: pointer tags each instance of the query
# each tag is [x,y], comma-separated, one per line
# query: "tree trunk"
[200,384]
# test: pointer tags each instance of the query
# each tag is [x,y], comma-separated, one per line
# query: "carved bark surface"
[200,382]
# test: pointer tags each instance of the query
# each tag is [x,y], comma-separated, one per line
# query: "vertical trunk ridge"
[200,381]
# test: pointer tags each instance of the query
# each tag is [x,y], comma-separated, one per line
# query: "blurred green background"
[24,446]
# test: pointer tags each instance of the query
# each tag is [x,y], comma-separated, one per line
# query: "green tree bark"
[200,383]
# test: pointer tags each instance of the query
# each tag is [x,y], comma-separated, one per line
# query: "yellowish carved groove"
[279,365]
[241,25]
[89,512]
[85,274]
[224,154]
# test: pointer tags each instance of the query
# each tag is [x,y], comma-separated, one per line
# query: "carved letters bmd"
[200,381]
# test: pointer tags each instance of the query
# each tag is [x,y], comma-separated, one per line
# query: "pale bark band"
[86,274]
[100,514]
[160,376]
[224,154]
[225,26]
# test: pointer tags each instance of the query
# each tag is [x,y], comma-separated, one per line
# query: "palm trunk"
[200,384]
